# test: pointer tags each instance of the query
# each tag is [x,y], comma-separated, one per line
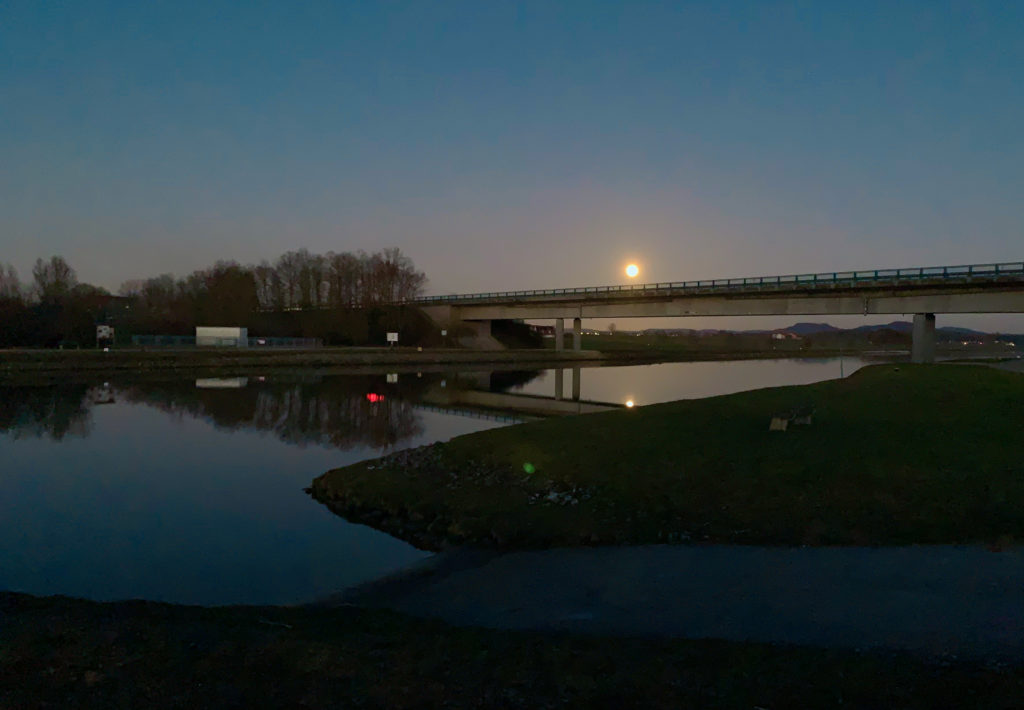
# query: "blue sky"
[513,145]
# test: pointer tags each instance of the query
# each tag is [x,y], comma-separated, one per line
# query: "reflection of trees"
[56,411]
[332,411]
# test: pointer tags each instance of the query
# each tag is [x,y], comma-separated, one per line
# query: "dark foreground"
[939,600]
[58,652]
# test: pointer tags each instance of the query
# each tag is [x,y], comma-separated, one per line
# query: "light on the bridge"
[630,403]
[632,270]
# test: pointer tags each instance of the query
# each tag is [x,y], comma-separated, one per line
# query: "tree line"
[342,298]
[296,280]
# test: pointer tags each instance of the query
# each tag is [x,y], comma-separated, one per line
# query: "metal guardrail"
[957,274]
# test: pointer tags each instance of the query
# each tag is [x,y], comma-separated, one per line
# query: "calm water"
[191,491]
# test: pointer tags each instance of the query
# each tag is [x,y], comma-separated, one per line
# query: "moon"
[632,270]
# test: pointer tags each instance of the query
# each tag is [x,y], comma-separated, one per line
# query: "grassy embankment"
[895,455]
[58,652]
[30,365]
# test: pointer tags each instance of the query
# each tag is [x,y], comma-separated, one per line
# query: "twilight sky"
[514,145]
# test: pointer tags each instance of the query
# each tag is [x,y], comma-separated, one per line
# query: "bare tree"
[10,285]
[268,286]
[312,270]
[342,280]
[54,279]
[289,271]
[131,288]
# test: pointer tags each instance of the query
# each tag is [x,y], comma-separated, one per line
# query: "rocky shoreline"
[433,533]
[441,529]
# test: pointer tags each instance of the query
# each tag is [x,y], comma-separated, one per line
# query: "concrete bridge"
[923,292]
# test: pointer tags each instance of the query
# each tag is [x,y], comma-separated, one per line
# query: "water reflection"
[342,412]
[192,491]
[55,412]
[384,411]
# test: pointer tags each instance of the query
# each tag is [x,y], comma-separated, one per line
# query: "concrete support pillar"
[559,335]
[922,348]
[575,384]
[559,384]
[577,334]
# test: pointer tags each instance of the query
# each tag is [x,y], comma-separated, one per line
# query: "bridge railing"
[830,279]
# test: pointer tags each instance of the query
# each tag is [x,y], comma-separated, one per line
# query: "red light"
[374,397]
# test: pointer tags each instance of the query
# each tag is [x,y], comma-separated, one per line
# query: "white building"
[218,337]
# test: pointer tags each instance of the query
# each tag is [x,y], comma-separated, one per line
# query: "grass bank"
[20,365]
[894,455]
[59,652]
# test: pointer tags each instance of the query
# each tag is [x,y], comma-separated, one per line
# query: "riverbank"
[42,366]
[892,455]
[31,365]
[63,652]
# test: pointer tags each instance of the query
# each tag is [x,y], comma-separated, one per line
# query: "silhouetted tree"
[286,297]
[227,296]
[53,279]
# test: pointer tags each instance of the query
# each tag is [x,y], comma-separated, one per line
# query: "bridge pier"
[559,383]
[575,384]
[922,347]
[559,335]
[577,334]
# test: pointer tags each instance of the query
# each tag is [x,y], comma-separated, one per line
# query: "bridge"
[921,291]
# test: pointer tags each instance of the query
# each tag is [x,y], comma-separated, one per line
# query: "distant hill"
[952,330]
[903,326]
[809,328]
[900,326]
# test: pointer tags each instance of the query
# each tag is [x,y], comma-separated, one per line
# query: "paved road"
[942,600]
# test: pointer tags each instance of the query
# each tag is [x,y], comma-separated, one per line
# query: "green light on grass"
[529,467]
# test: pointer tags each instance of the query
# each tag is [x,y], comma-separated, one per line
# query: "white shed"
[210,336]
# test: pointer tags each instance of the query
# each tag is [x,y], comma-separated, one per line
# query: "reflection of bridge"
[522,406]
[474,413]
[983,288]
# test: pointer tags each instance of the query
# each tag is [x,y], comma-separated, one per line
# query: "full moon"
[632,270]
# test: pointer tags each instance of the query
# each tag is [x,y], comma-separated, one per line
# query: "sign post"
[392,338]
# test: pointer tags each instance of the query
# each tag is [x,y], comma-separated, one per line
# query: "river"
[192,491]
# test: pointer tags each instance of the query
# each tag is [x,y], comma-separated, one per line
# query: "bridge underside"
[923,304]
